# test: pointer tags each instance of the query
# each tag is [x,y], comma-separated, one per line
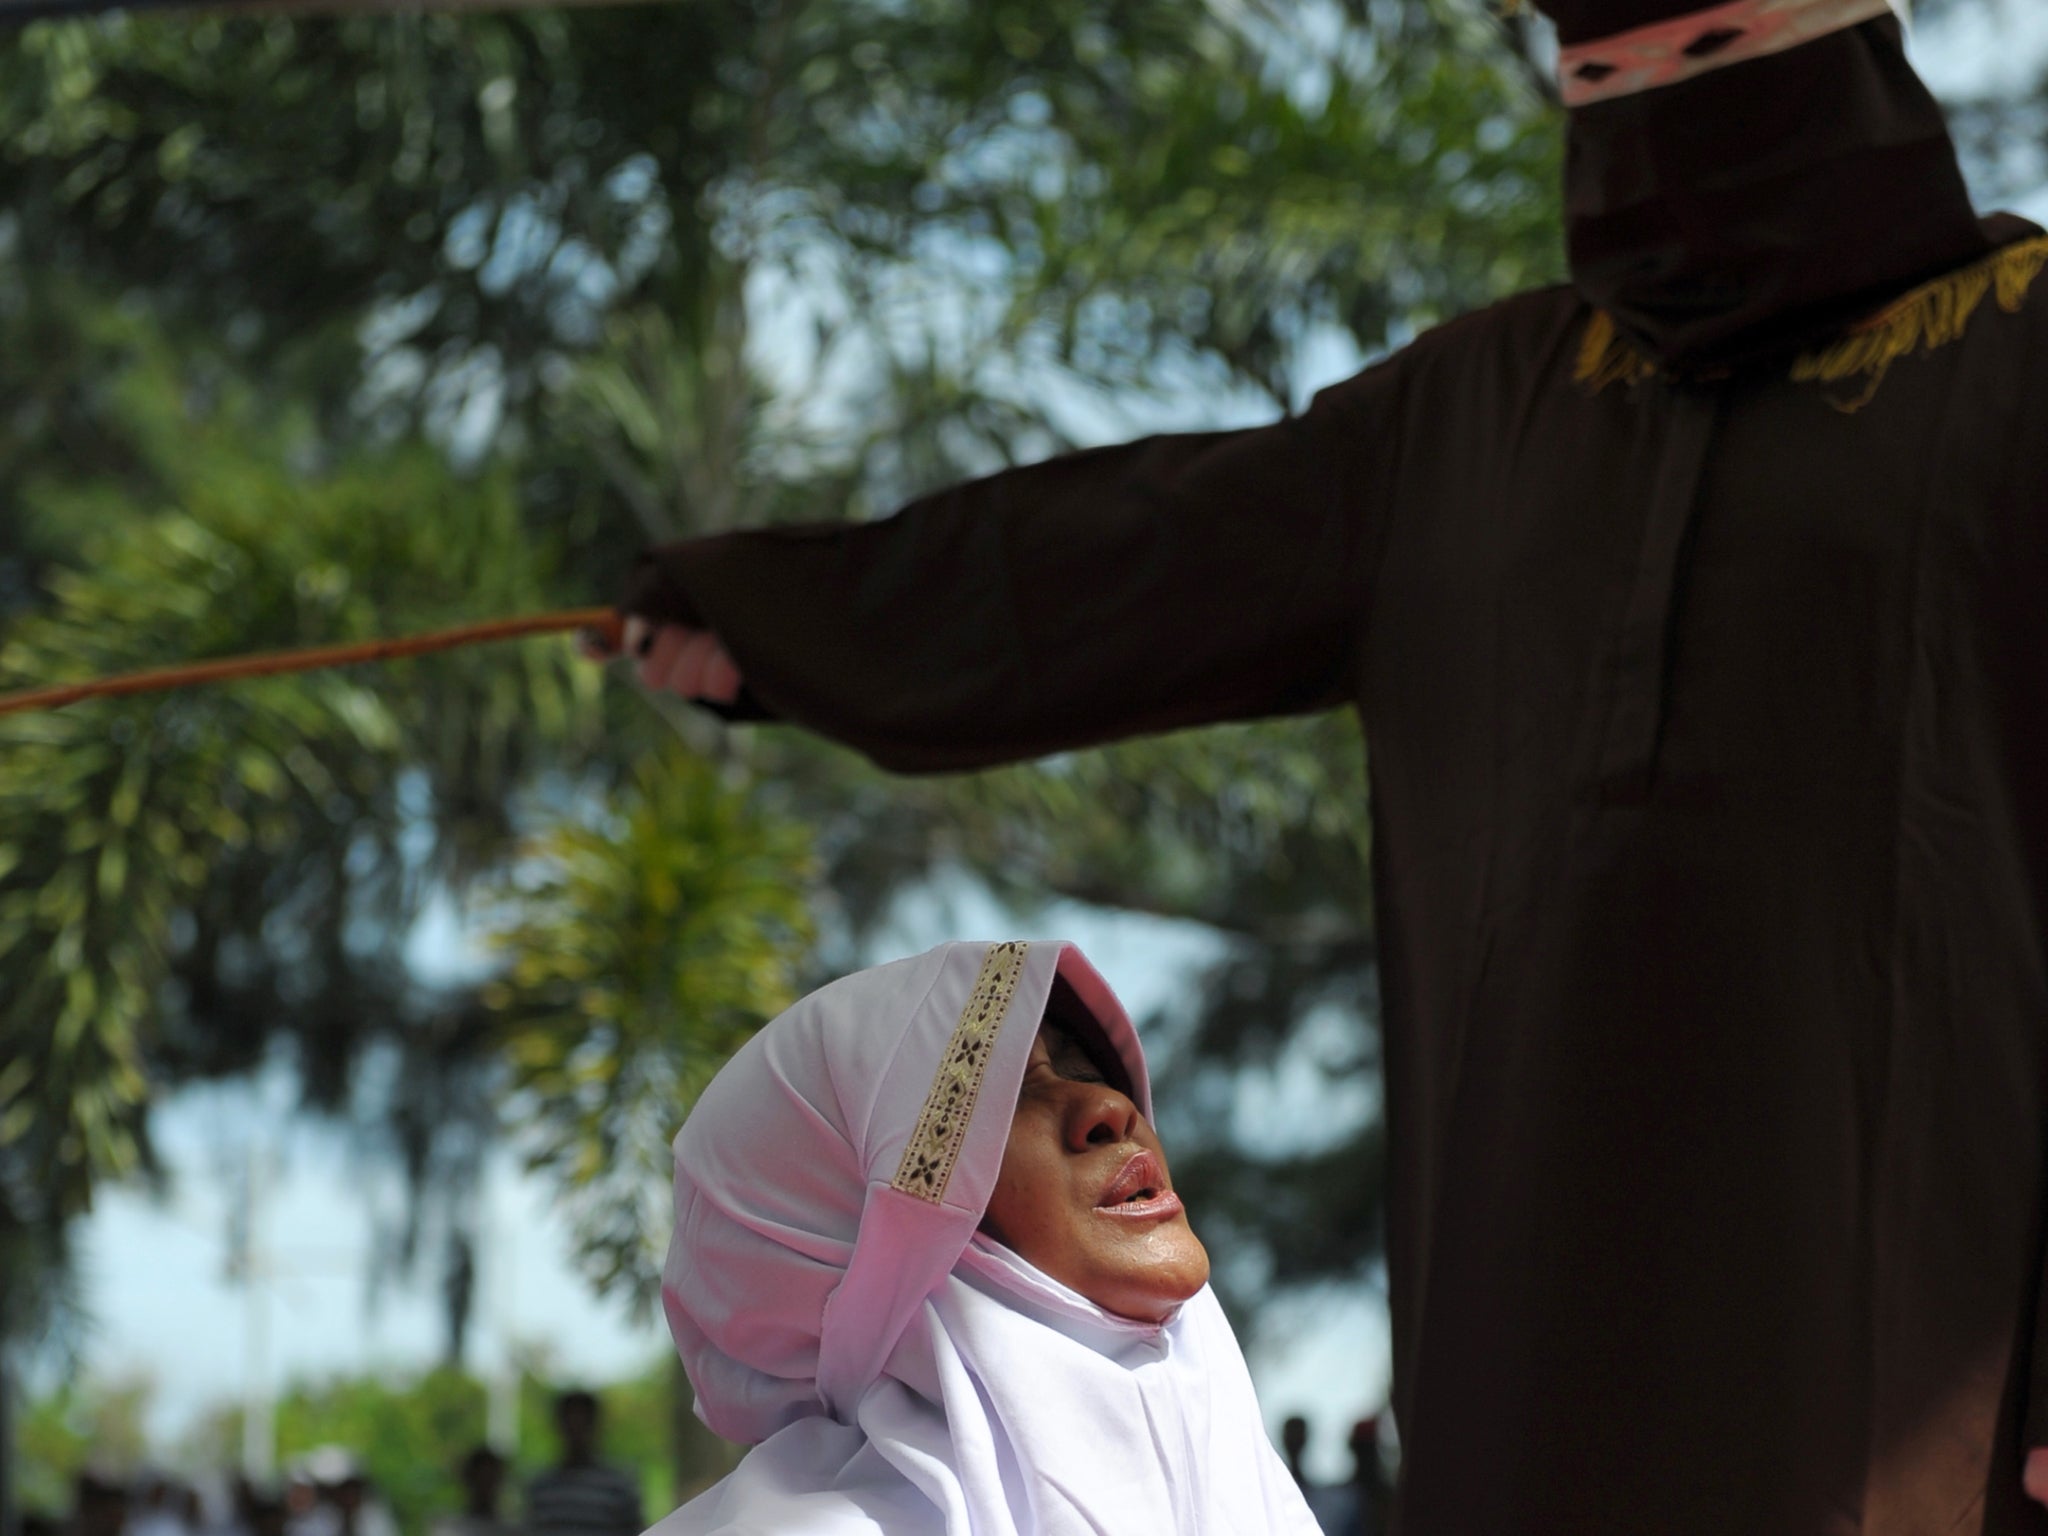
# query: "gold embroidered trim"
[1927,318]
[942,1128]
[1608,357]
[1932,316]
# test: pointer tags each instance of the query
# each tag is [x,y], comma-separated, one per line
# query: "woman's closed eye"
[1049,1073]
[1070,1061]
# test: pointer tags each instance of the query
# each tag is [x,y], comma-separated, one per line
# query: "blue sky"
[155,1269]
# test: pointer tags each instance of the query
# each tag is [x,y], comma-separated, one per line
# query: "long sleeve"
[1171,582]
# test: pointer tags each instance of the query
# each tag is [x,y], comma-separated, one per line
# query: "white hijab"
[893,1370]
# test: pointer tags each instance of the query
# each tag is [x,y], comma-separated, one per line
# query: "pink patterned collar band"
[1666,52]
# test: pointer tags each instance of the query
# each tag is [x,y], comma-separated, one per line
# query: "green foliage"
[1374,188]
[470,195]
[637,270]
[190,880]
[122,824]
[82,1423]
[646,946]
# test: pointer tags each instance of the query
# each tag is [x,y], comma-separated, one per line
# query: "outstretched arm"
[1170,582]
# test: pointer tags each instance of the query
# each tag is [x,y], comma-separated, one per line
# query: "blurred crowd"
[328,1493]
[1358,1506]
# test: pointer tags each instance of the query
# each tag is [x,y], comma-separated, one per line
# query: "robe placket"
[1639,664]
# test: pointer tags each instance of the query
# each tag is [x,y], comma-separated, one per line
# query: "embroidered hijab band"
[1684,47]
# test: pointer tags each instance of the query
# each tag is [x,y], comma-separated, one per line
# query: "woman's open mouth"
[1139,1190]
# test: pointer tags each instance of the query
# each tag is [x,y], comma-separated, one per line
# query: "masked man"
[1697,613]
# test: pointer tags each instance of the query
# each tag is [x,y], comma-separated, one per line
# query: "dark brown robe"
[1708,728]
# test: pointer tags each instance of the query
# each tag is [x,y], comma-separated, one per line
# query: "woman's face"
[1084,1194]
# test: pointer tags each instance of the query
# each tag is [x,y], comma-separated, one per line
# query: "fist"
[679,659]
[2037,1475]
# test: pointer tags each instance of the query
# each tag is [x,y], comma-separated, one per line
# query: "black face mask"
[1756,209]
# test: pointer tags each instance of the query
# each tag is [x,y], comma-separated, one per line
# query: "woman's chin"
[1151,1291]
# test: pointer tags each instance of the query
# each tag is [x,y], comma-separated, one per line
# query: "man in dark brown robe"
[1697,613]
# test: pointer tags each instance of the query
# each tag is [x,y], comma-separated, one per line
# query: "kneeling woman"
[929,1264]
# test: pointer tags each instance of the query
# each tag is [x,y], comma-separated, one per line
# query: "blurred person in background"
[1361,1505]
[247,1509]
[358,1512]
[1339,1508]
[1293,1443]
[1371,1489]
[306,1510]
[100,1506]
[264,1514]
[158,1511]
[329,1495]
[219,1505]
[580,1495]
[482,1475]
[166,1507]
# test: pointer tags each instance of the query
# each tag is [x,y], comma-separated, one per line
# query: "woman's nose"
[1099,1116]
